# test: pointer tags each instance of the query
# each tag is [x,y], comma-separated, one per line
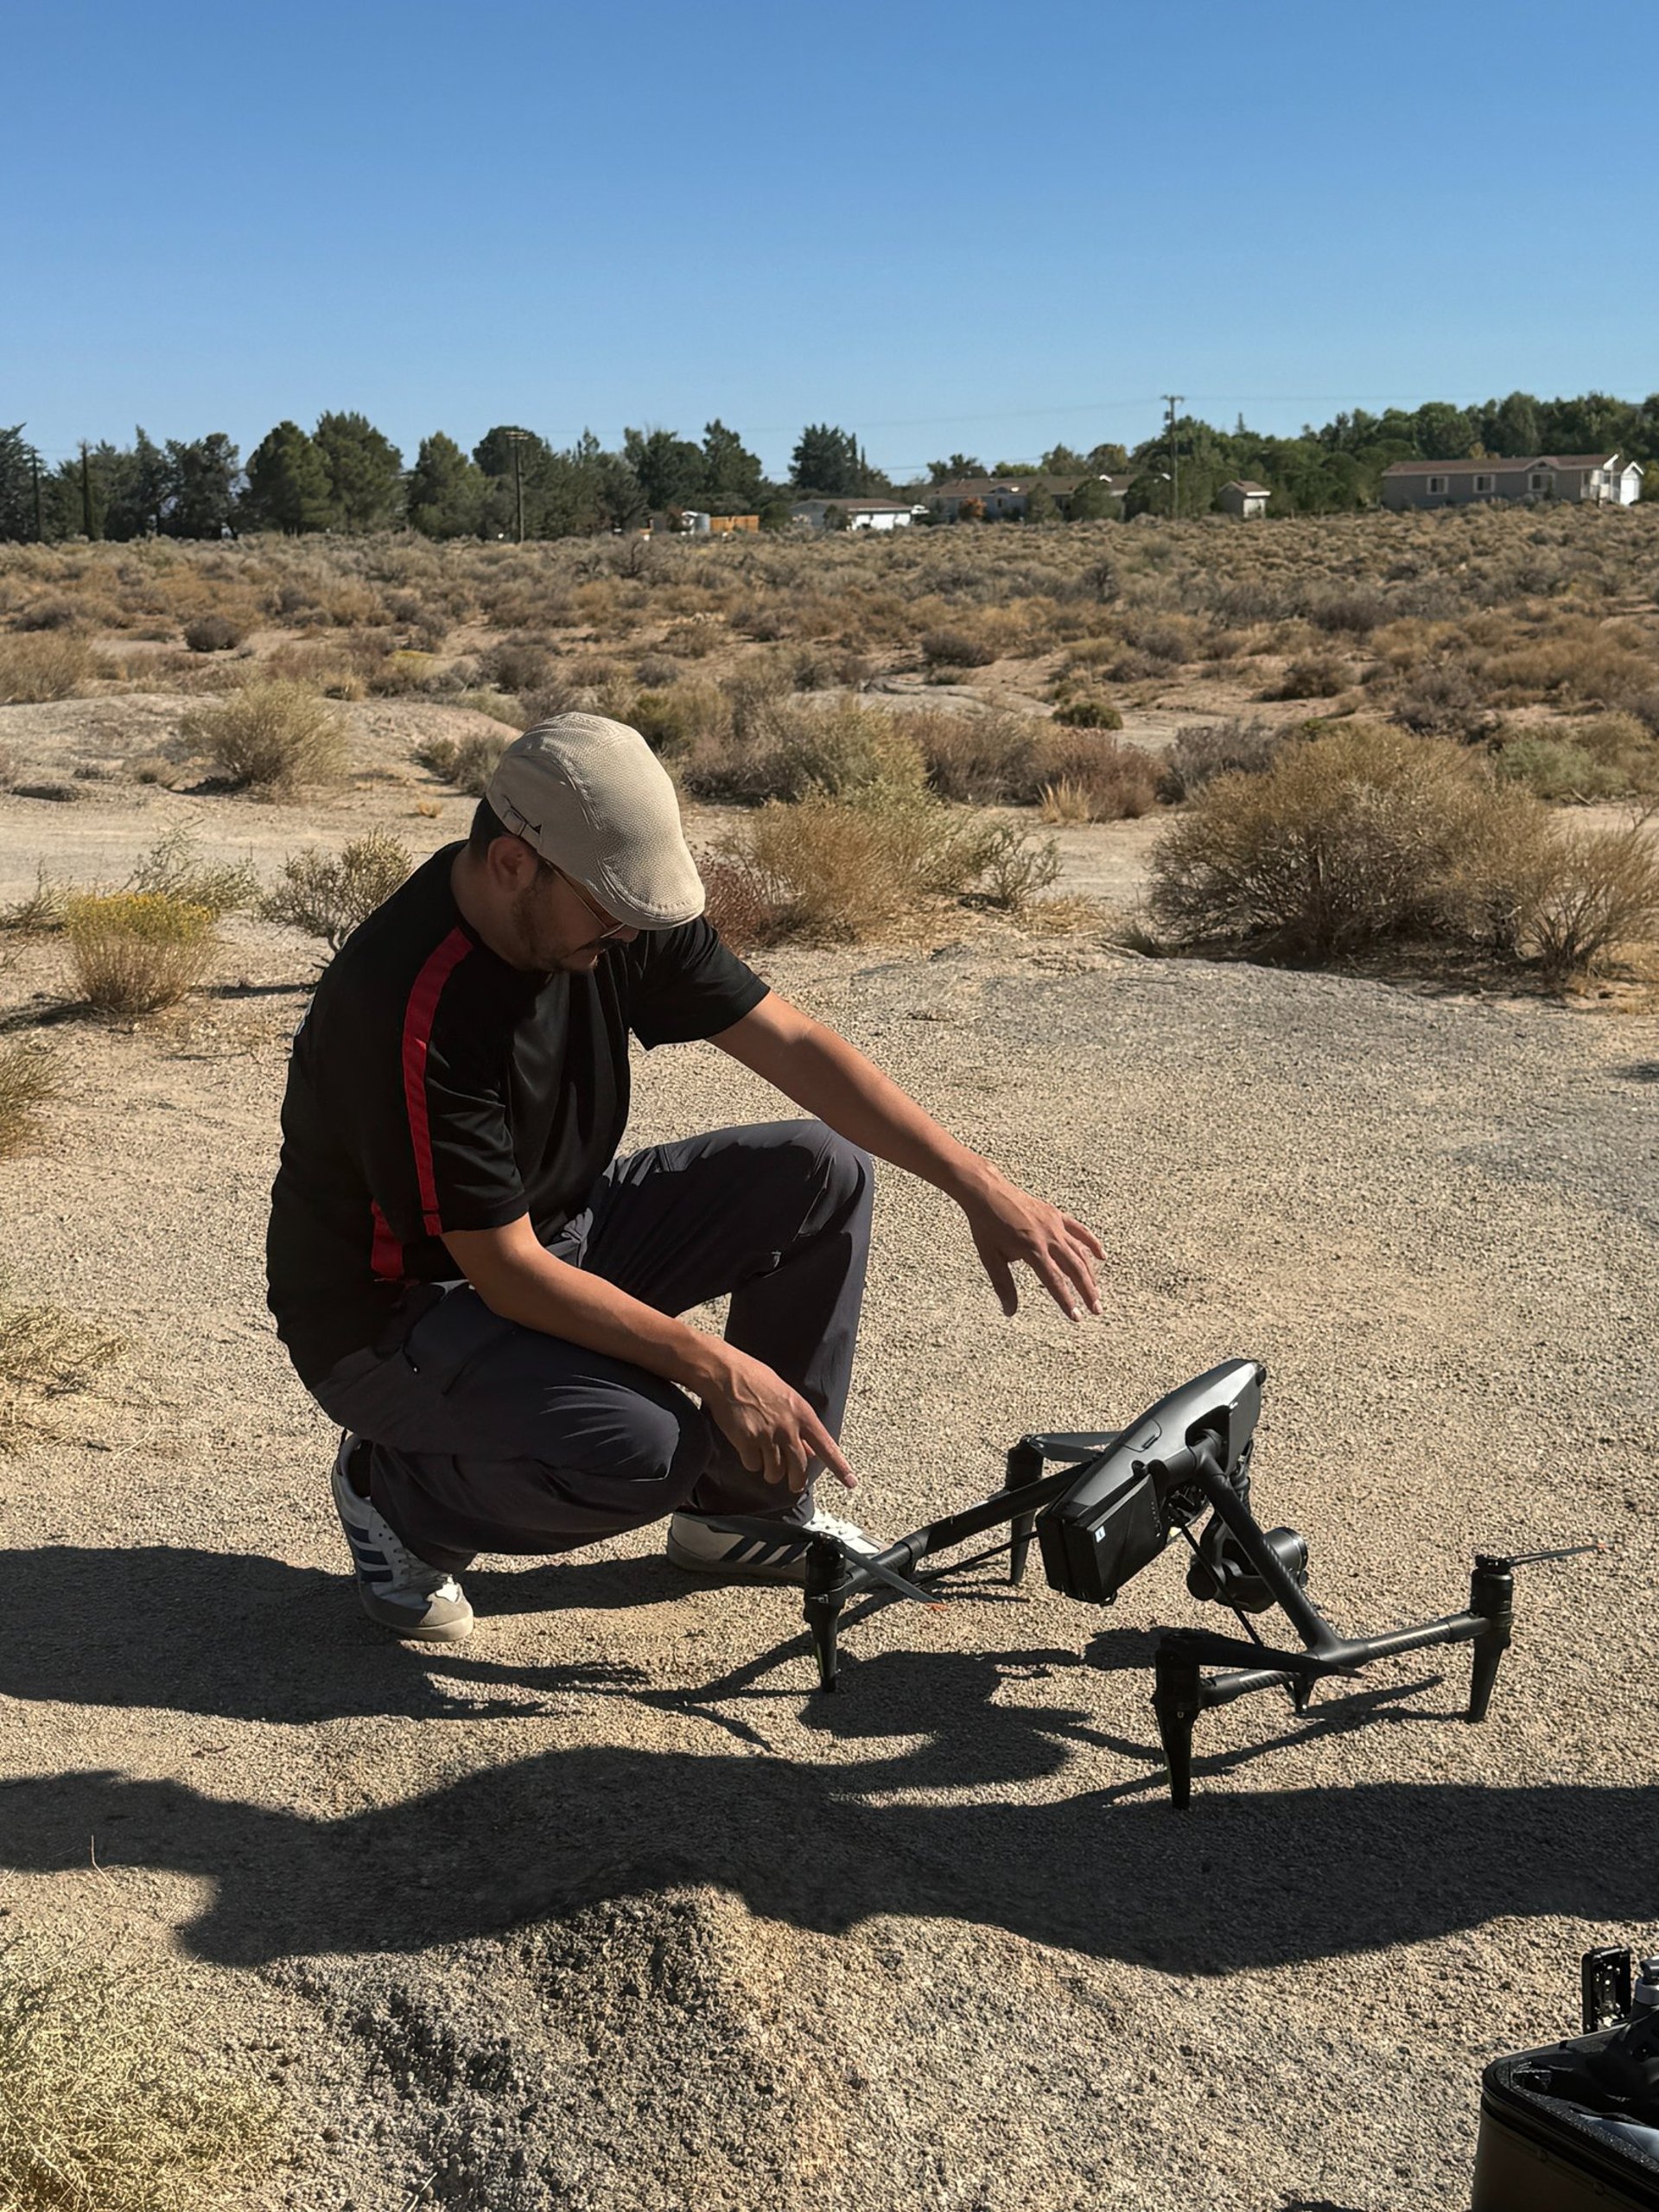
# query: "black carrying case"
[1537,2154]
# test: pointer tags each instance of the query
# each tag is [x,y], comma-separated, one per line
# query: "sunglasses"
[608,928]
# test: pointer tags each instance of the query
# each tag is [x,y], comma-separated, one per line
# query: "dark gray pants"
[488,1436]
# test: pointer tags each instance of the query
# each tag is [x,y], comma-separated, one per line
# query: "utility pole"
[1172,401]
[85,491]
[516,439]
[34,471]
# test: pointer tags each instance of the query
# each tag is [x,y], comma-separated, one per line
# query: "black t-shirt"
[433,1087]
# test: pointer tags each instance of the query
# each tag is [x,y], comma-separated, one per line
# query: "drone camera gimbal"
[1109,1508]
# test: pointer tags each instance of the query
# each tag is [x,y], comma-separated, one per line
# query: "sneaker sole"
[455,1631]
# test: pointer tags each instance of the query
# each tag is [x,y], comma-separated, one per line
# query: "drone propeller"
[1504,1562]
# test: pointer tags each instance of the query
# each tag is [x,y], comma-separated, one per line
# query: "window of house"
[1436,484]
[1484,484]
[1539,480]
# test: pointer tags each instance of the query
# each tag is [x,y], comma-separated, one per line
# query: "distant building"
[1007,498]
[1595,479]
[682,522]
[861,513]
[1243,498]
[720,524]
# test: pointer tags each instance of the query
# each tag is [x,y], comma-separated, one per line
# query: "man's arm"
[771,1427]
[831,1078]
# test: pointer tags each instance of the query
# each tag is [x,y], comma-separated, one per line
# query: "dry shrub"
[1443,700]
[325,667]
[1089,714]
[173,868]
[28,1080]
[103,2106]
[786,747]
[679,716]
[837,870]
[516,665]
[328,895]
[42,911]
[134,952]
[1357,613]
[1347,841]
[275,739]
[213,633]
[401,673]
[1555,768]
[1203,751]
[1598,892]
[957,649]
[1315,677]
[51,664]
[982,759]
[468,763]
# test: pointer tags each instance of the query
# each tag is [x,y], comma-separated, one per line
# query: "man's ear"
[510,863]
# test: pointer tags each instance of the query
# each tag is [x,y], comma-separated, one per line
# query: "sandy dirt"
[605,1908]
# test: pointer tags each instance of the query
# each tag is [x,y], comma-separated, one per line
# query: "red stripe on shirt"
[386,1254]
[418,1018]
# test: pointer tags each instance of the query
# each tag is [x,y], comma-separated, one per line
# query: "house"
[1244,498]
[1007,498]
[1595,479]
[722,525]
[862,513]
[681,522]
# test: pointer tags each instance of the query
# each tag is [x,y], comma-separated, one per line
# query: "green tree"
[1443,432]
[445,492]
[959,464]
[134,488]
[826,461]
[733,482]
[18,462]
[1041,506]
[364,471]
[288,483]
[1511,428]
[1090,501]
[668,469]
[204,479]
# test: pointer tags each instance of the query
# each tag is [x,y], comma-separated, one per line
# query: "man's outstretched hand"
[1010,1226]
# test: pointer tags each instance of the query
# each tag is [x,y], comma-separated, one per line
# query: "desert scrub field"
[1083,674]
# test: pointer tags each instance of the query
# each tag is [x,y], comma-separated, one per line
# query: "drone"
[1109,1508]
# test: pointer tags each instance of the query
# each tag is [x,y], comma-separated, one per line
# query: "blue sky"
[975,227]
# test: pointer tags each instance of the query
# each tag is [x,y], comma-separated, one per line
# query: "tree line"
[343,475]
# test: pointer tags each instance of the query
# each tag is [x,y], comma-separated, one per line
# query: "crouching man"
[483,1296]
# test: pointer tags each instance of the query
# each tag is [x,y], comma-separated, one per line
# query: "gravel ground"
[606,1909]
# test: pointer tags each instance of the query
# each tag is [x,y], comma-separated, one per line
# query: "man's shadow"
[1244,1879]
[240,1636]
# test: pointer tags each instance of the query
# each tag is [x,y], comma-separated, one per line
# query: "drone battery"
[1091,1545]
[1542,2152]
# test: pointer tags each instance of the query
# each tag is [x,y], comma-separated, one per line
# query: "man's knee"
[646,1439]
[845,1168]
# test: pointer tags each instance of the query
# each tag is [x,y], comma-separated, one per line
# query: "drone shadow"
[1246,1878]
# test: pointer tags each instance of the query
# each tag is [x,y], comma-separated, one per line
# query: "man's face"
[559,926]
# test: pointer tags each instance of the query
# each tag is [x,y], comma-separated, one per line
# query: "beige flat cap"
[590,796]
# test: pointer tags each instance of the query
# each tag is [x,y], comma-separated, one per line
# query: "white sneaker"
[701,1550]
[398,1589]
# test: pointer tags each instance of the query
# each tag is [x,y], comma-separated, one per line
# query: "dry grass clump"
[42,911]
[135,952]
[44,1353]
[836,870]
[1089,714]
[1101,782]
[102,2106]
[47,665]
[28,1080]
[1557,769]
[274,739]
[1316,676]
[328,895]
[774,745]
[1365,837]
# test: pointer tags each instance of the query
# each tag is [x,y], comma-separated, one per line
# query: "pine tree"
[364,471]
[288,483]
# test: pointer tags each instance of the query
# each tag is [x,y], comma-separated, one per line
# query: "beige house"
[1007,498]
[861,513]
[1596,478]
[1244,498]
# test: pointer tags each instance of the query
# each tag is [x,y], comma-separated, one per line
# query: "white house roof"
[1489,465]
[1251,490]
